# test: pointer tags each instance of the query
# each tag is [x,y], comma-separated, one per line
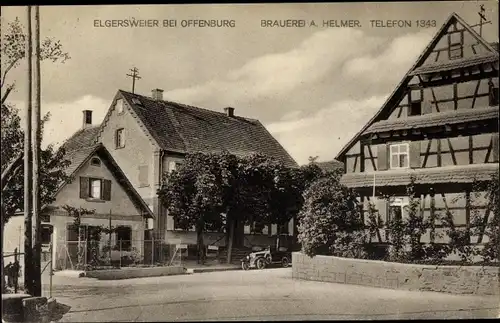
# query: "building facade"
[149,136]
[439,127]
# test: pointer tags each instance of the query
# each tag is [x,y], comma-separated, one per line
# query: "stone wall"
[448,279]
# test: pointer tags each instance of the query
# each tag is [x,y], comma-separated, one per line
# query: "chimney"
[157,94]
[229,111]
[87,118]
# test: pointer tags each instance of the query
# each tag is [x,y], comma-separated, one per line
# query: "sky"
[313,87]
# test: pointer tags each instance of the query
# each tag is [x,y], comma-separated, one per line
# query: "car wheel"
[261,263]
[284,262]
[245,265]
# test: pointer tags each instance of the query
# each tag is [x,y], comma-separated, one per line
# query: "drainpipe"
[160,169]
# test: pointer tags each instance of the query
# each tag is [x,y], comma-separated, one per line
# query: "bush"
[330,221]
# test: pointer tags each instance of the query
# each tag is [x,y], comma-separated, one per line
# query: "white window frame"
[398,153]
[120,144]
[91,188]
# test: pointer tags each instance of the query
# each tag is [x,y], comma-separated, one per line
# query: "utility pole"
[134,76]
[36,137]
[28,257]
[481,18]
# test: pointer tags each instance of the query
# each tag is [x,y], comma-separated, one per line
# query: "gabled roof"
[330,165]
[182,128]
[399,91]
[82,153]
[82,138]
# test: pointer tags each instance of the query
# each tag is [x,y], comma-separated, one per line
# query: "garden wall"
[448,279]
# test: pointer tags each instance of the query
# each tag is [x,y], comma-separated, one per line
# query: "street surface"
[269,294]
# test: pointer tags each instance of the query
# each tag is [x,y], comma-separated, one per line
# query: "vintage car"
[267,257]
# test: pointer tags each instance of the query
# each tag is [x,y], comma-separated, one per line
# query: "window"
[124,238]
[283,229]
[416,108]
[119,106]
[397,207]
[95,188]
[399,156]
[257,227]
[120,138]
[45,234]
[88,117]
[95,162]
[173,166]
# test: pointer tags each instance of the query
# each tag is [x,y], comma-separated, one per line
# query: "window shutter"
[494,146]
[84,187]
[106,191]
[415,154]
[382,157]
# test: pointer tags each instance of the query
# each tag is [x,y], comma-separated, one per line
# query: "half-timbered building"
[438,127]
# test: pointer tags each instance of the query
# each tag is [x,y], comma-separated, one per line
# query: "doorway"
[90,237]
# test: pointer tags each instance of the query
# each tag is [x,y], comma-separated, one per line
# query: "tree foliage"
[330,220]
[52,170]
[13,49]
[216,191]
[52,161]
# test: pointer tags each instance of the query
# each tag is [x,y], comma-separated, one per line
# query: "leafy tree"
[491,250]
[13,51]
[486,223]
[193,195]
[330,221]
[224,191]
[52,162]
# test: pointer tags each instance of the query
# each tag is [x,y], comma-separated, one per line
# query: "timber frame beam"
[459,79]
[434,132]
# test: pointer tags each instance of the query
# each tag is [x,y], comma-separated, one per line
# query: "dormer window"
[119,106]
[95,162]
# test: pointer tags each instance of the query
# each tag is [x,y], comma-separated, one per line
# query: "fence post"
[15,272]
[152,251]
[51,268]
[120,253]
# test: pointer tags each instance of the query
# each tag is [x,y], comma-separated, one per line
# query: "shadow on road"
[59,311]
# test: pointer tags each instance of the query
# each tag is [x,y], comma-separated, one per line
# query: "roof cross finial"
[482,19]
[134,76]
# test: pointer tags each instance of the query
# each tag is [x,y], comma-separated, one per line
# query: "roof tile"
[434,119]
[436,175]
[184,128]
[456,64]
